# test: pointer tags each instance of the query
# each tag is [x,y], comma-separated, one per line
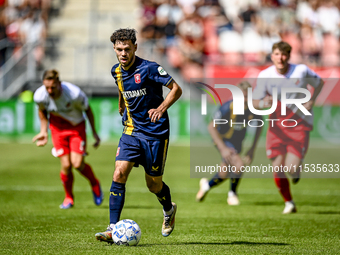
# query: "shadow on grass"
[106,207]
[328,212]
[211,243]
[268,203]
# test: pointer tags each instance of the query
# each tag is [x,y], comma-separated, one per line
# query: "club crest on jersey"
[137,78]
[161,71]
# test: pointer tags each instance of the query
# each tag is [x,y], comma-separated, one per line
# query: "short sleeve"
[312,77]
[82,101]
[158,74]
[38,98]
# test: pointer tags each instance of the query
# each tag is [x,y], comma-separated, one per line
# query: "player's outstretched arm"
[90,117]
[42,137]
[174,94]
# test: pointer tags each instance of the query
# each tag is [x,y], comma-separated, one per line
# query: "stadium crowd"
[192,33]
[21,22]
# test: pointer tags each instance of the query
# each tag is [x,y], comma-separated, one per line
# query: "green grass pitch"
[32,223]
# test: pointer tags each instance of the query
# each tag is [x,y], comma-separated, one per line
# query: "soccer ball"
[126,232]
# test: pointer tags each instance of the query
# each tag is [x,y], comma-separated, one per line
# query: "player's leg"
[85,170]
[154,155]
[235,177]
[294,163]
[276,149]
[296,151]
[206,184]
[66,177]
[156,185]
[282,183]
[127,156]
[78,150]
[117,197]
[61,145]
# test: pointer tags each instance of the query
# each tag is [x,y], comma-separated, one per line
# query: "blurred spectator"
[33,31]
[242,32]
[231,47]
[3,38]
[307,13]
[168,15]
[329,17]
[148,19]
[188,53]
[310,44]
[25,21]
[188,6]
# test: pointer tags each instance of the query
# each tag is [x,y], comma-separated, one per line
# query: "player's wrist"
[261,104]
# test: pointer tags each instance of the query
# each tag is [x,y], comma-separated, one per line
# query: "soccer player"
[228,140]
[286,146]
[145,135]
[61,106]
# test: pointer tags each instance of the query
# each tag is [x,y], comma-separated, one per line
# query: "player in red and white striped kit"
[286,146]
[61,107]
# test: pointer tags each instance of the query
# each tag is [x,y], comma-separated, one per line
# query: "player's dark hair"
[51,75]
[124,34]
[283,47]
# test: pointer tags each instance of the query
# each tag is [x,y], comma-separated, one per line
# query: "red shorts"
[279,143]
[72,138]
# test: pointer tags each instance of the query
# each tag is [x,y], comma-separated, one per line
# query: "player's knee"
[154,187]
[78,165]
[66,168]
[119,175]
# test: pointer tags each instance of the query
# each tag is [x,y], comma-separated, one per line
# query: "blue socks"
[215,180]
[117,198]
[234,182]
[164,198]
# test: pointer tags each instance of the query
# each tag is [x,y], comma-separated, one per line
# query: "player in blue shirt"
[145,136]
[228,140]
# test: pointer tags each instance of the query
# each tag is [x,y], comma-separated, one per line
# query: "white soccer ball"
[126,232]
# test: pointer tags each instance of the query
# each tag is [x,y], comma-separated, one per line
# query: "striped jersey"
[142,89]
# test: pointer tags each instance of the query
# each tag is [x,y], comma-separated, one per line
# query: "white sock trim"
[168,212]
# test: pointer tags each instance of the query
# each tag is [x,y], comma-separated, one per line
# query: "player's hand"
[97,142]
[155,115]
[121,111]
[227,154]
[248,158]
[268,101]
[309,105]
[41,139]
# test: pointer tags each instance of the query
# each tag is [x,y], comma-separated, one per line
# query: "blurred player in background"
[228,140]
[61,105]
[146,127]
[286,146]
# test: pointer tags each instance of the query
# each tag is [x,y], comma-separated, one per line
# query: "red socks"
[88,174]
[282,184]
[67,181]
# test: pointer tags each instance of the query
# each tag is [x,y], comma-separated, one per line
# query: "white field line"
[173,190]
